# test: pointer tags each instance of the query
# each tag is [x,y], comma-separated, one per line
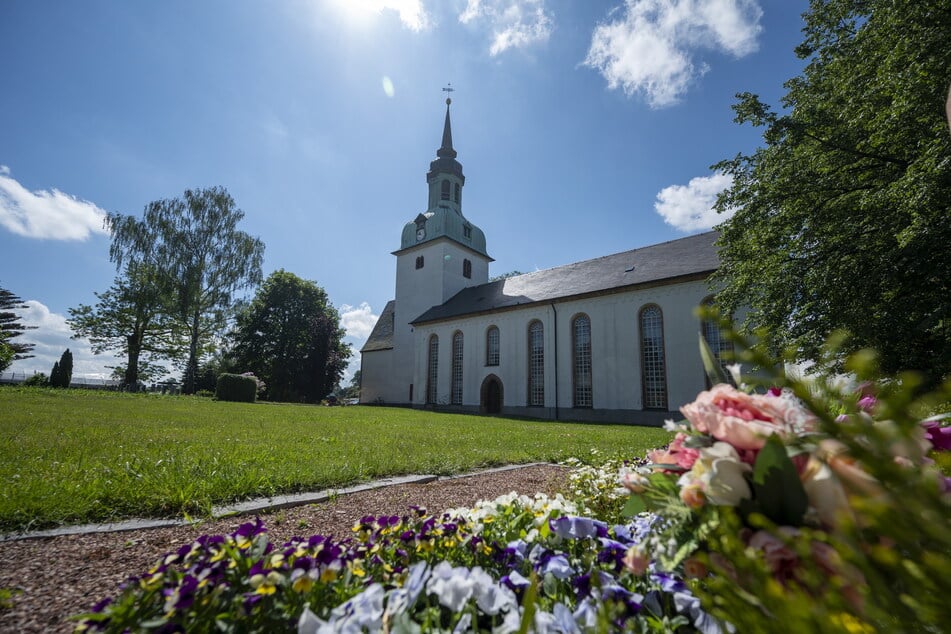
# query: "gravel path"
[61,576]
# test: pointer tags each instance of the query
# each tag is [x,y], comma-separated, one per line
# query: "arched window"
[536,364]
[717,341]
[433,370]
[653,358]
[445,190]
[420,261]
[456,395]
[458,192]
[581,360]
[492,346]
[466,268]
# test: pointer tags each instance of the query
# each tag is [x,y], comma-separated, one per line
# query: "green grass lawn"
[71,456]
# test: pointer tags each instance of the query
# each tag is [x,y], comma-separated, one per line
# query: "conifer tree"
[66,368]
[55,375]
[62,373]
[11,328]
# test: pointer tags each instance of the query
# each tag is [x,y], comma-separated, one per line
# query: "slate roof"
[686,257]
[382,336]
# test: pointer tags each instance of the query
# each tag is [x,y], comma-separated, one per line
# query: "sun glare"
[362,12]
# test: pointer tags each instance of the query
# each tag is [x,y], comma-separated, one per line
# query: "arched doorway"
[491,401]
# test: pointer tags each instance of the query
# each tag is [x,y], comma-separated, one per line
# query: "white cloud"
[50,215]
[388,87]
[514,23]
[51,338]
[649,46]
[690,207]
[358,321]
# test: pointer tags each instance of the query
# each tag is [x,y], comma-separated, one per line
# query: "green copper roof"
[443,222]
[444,217]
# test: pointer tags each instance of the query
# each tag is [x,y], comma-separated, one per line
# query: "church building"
[613,339]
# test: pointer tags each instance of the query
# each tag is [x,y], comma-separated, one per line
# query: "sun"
[363,12]
[356,12]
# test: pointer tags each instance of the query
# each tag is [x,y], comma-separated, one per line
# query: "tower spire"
[446,150]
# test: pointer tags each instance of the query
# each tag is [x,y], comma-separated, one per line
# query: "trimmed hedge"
[235,387]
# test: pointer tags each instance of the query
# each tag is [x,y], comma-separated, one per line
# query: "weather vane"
[449,89]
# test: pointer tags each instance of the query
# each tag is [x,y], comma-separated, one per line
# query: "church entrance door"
[491,395]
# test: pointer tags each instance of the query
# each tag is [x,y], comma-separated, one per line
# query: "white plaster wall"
[377,378]
[418,290]
[615,349]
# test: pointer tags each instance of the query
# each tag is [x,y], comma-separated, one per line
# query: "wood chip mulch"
[56,577]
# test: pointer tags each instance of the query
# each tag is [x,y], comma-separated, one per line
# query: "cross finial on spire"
[449,89]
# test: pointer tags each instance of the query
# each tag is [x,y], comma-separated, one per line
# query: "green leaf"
[635,504]
[544,530]
[153,623]
[698,442]
[710,364]
[529,605]
[777,491]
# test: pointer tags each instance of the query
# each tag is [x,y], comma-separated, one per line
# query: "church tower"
[441,252]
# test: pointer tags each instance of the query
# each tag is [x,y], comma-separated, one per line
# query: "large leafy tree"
[843,218]
[11,327]
[290,337]
[200,255]
[135,316]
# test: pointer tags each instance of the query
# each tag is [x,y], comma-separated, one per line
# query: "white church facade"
[613,339]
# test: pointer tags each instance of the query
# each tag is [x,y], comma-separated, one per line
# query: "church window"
[458,192]
[420,261]
[467,232]
[433,370]
[536,364]
[715,338]
[445,190]
[492,346]
[653,362]
[457,368]
[581,360]
[467,268]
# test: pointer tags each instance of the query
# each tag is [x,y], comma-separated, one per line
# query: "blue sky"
[584,128]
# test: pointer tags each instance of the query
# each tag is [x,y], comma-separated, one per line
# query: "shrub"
[37,380]
[238,388]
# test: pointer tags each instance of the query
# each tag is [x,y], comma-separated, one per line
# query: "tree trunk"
[191,371]
[134,346]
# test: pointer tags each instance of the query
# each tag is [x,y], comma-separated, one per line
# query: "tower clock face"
[420,234]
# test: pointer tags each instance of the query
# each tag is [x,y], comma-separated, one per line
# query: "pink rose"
[675,454]
[849,472]
[780,558]
[746,420]
[635,482]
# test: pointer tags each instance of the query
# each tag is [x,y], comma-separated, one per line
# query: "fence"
[16,378]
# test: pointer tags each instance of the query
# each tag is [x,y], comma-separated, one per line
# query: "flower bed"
[507,561]
[802,508]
